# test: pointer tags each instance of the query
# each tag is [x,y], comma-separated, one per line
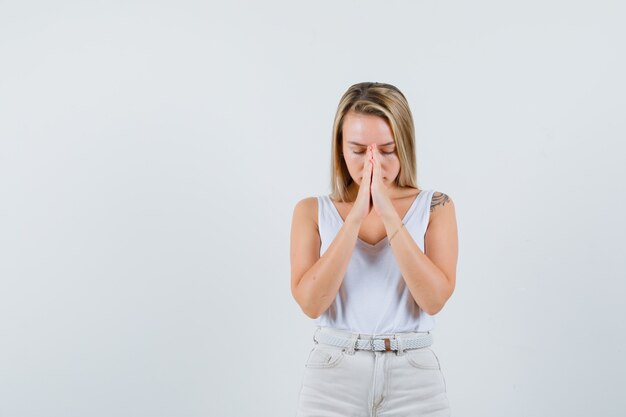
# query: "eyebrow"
[360,144]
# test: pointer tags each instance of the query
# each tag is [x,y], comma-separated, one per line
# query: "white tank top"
[373,297]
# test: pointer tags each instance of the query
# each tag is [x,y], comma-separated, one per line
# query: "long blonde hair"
[382,100]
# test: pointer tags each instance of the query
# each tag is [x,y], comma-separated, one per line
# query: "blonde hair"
[385,101]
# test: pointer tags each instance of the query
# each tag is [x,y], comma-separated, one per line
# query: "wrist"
[391,218]
[395,233]
[353,220]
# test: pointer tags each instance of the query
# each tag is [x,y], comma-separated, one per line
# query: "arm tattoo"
[438,199]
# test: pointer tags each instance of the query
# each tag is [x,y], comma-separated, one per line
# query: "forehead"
[354,143]
[365,129]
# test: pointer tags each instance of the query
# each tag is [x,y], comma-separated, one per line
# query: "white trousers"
[343,382]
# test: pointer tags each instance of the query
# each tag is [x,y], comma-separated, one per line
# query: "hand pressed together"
[373,193]
[379,191]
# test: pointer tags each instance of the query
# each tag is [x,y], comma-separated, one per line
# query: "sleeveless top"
[373,297]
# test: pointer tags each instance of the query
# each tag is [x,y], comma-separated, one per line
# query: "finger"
[375,152]
[374,164]
[366,173]
[366,164]
[370,167]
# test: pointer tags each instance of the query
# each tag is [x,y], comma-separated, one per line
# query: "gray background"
[152,152]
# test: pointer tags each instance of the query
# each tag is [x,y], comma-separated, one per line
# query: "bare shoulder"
[439,202]
[441,208]
[306,209]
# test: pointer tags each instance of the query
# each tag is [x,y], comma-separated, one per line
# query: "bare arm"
[430,275]
[315,280]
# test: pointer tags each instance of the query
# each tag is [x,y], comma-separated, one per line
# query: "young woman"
[372,263]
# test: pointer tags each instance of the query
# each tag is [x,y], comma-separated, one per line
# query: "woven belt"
[375,344]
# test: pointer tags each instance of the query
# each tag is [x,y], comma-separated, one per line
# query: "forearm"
[320,284]
[427,284]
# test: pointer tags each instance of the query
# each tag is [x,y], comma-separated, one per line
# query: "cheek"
[392,161]
[386,160]
[354,161]
[390,165]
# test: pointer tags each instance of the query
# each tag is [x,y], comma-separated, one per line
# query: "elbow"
[312,315]
[310,311]
[435,308]
[432,310]
[308,308]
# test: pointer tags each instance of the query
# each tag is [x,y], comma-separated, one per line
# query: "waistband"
[352,341]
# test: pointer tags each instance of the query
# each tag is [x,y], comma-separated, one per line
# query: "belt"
[375,344]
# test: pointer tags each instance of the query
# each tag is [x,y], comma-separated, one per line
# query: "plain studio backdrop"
[152,153]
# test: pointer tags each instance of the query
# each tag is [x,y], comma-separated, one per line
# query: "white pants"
[343,382]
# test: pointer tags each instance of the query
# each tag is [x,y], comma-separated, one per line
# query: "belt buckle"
[387,344]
